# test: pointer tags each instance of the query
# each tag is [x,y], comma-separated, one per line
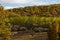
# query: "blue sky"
[21,3]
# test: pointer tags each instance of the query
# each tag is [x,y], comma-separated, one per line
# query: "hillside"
[41,11]
[30,23]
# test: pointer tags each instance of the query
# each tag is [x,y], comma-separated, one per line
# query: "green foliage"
[32,21]
[5,26]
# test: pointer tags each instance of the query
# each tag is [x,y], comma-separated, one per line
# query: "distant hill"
[42,11]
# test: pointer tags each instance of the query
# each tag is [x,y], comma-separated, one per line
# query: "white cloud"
[9,7]
[33,2]
[16,1]
[40,3]
[56,2]
[23,1]
[26,1]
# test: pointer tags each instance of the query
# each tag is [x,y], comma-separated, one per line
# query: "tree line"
[41,11]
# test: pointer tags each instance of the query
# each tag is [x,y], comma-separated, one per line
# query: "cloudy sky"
[21,3]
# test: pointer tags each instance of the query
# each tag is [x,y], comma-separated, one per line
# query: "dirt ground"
[36,36]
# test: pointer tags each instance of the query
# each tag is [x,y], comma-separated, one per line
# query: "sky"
[22,3]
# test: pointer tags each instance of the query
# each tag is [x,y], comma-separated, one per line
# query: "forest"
[29,19]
